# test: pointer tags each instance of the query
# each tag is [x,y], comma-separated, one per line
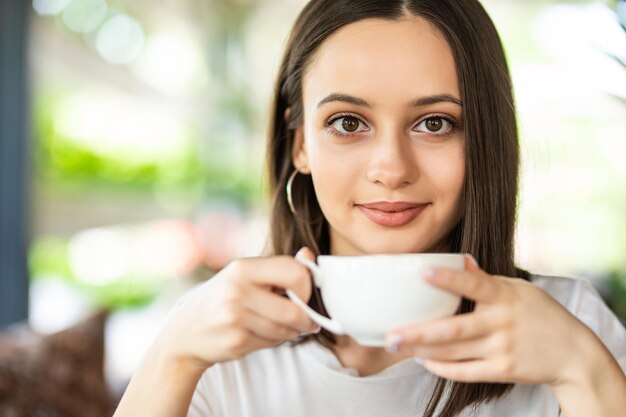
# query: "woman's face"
[383,124]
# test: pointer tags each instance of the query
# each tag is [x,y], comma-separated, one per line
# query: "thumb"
[471,264]
[305,253]
[304,291]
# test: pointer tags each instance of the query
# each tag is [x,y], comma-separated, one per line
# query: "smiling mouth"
[392,214]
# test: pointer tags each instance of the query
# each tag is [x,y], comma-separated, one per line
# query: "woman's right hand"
[239,310]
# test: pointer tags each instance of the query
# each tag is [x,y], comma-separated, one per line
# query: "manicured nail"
[299,252]
[419,361]
[318,329]
[393,343]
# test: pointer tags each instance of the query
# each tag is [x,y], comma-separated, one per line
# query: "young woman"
[393,131]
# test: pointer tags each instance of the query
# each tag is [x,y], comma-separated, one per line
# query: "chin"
[371,242]
[394,246]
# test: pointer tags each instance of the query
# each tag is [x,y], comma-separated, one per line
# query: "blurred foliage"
[49,258]
[64,164]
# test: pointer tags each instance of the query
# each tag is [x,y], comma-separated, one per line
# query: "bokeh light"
[171,62]
[99,256]
[85,15]
[50,7]
[120,39]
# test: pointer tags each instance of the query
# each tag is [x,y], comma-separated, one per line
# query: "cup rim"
[429,255]
[408,260]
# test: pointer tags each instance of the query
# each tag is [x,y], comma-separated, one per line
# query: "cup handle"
[325,322]
[315,270]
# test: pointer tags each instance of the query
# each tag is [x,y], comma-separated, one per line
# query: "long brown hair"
[488,208]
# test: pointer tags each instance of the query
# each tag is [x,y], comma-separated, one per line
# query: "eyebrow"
[422,101]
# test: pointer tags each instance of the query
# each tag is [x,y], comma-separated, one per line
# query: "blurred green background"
[149,123]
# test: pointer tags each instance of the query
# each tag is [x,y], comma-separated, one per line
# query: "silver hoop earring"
[288,190]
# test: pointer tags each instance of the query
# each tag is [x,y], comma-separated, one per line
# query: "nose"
[392,162]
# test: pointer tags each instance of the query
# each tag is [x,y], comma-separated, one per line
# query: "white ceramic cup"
[366,296]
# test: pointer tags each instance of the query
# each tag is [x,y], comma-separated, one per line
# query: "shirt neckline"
[326,357]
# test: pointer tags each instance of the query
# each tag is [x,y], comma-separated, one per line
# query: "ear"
[299,156]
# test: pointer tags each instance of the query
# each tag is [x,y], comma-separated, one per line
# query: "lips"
[391,207]
[391,214]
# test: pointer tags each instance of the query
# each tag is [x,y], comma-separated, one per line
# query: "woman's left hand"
[517,333]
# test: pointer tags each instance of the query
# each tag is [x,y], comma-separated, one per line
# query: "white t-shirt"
[308,380]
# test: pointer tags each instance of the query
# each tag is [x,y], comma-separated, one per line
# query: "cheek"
[334,175]
[456,179]
[447,173]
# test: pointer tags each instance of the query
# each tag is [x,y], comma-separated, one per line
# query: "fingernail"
[318,329]
[299,252]
[419,361]
[393,343]
[473,260]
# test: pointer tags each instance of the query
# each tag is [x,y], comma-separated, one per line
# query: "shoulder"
[581,299]
[577,295]
[570,292]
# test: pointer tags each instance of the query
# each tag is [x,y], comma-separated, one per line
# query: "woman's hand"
[238,311]
[516,334]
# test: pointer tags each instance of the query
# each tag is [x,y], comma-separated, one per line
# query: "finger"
[471,264]
[482,347]
[234,343]
[278,309]
[305,253]
[279,271]
[478,286]
[267,329]
[481,370]
[456,328]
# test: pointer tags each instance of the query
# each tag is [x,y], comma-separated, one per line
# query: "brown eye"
[434,124]
[350,124]
[347,125]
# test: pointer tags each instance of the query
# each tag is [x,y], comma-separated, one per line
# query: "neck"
[366,360]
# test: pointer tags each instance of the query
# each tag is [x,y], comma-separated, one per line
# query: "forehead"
[381,60]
